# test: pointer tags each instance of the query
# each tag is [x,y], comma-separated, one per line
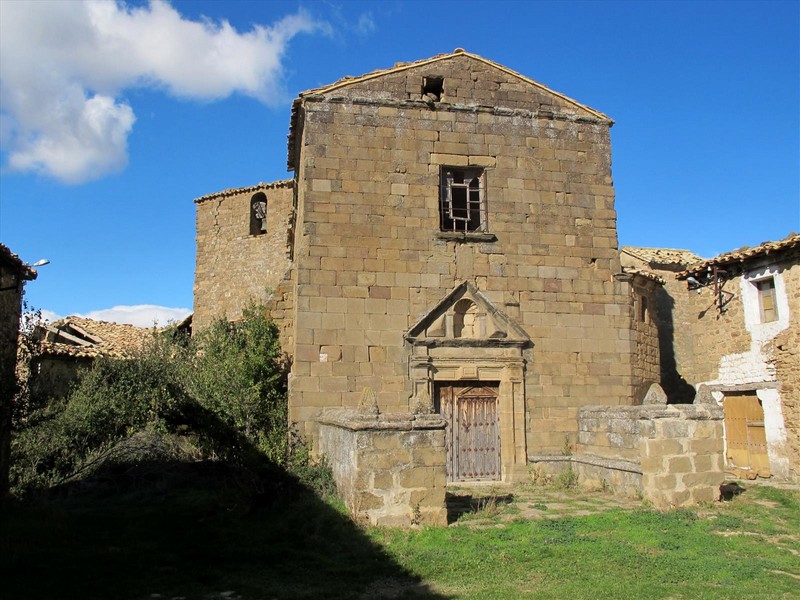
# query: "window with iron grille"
[462,200]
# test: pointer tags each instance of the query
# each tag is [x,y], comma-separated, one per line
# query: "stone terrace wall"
[670,455]
[608,451]
[388,469]
[682,454]
[233,267]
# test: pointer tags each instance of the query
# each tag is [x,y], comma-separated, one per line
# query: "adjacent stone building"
[13,275]
[728,331]
[448,242]
[71,344]
[743,346]
[668,313]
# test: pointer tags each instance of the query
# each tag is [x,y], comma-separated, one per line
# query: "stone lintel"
[471,343]
[353,420]
[466,236]
[744,387]
[691,412]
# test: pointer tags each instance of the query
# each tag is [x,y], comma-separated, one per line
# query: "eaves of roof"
[744,255]
[663,256]
[283,183]
[645,274]
[14,262]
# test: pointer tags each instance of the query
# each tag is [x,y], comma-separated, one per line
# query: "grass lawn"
[202,541]
[746,548]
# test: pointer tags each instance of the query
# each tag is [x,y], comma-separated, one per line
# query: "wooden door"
[745,438]
[473,431]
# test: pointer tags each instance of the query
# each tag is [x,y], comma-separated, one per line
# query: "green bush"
[112,400]
[225,388]
[238,373]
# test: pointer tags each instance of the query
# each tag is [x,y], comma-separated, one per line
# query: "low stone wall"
[682,454]
[389,468]
[671,456]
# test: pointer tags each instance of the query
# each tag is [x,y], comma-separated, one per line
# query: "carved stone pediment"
[465,317]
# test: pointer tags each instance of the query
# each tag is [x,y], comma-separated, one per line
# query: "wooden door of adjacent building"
[473,431]
[745,438]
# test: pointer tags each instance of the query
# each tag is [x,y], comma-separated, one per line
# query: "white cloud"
[49,316]
[365,24]
[141,315]
[64,66]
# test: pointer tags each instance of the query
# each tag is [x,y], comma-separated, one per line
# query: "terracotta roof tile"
[283,183]
[644,273]
[743,255]
[86,338]
[662,256]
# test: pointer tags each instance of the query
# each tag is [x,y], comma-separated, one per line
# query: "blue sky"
[104,144]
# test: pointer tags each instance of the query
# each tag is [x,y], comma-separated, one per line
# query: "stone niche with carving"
[467,338]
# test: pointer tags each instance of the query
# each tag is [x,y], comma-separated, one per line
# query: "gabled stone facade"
[449,236]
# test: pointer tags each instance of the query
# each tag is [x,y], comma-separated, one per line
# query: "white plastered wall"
[754,367]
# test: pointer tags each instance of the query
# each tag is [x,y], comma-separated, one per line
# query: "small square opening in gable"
[432,88]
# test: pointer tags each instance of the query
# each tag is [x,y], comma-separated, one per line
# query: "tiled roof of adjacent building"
[86,338]
[402,66]
[283,183]
[743,255]
[15,263]
[662,256]
[644,273]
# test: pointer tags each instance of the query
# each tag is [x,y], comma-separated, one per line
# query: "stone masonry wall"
[677,313]
[10,308]
[713,334]
[670,455]
[646,355]
[371,262]
[681,455]
[390,469]
[786,356]
[735,352]
[233,267]
[674,312]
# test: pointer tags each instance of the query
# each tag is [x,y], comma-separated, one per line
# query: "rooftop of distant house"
[662,256]
[80,337]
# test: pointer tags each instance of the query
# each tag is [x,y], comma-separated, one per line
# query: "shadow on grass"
[461,503]
[239,529]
